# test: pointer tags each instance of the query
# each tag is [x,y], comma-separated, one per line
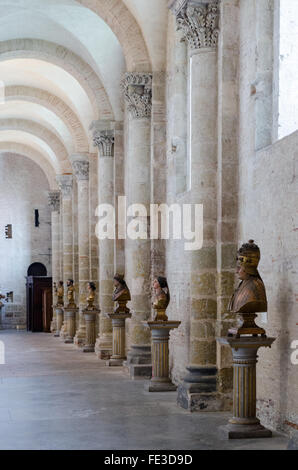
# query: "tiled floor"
[53,396]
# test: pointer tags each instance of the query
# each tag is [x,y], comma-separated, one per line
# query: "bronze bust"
[250,296]
[121,294]
[70,294]
[91,288]
[60,294]
[121,291]
[161,298]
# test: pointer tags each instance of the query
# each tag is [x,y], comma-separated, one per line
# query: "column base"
[198,391]
[68,341]
[103,347]
[114,362]
[138,363]
[79,340]
[88,349]
[166,386]
[244,431]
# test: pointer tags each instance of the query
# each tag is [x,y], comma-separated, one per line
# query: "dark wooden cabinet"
[39,303]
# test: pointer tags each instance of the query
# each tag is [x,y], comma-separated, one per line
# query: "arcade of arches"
[109,98]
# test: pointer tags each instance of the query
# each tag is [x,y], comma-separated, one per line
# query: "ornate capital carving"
[80,166]
[54,201]
[137,90]
[65,183]
[104,140]
[199,22]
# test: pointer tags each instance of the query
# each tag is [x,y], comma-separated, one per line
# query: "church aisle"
[53,396]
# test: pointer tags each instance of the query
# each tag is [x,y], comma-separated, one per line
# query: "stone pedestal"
[160,381]
[90,321]
[244,423]
[138,363]
[59,320]
[70,317]
[118,324]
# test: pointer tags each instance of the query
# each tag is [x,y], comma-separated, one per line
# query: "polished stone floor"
[53,396]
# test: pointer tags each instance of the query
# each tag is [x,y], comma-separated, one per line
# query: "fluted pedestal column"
[70,316]
[59,320]
[160,380]
[244,423]
[90,321]
[118,323]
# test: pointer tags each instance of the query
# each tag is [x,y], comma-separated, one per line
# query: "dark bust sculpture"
[121,291]
[250,296]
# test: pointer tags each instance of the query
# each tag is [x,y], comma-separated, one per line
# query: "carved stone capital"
[198,21]
[65,183]
[137,90]
[104,141]
[54,200]
[80,166]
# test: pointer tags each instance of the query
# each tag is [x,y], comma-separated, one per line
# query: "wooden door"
[47,309]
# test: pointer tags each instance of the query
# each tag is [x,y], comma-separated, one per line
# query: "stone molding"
[65,183]
[104,141]
[54,201]
[198,21]
[137,90]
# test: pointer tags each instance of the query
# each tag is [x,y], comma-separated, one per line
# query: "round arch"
[62,163]
[56,105]
[123,24]
[67,60]
[34,155]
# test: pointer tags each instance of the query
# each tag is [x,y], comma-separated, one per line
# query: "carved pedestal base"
[244,423]
[59,321]
[118,323]
[160,381]
[90,320]
[70,316]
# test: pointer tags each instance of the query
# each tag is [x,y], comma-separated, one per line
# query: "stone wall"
[24,187]
[268,214]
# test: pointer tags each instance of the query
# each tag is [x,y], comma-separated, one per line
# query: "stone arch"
[34,155]
[67,60]
[44,134]
[125,27]
[56,105]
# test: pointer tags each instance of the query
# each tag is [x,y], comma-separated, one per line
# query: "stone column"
[199,22]
[80,165]
[66,186]
[54,203]
[104,138]
[137,88]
